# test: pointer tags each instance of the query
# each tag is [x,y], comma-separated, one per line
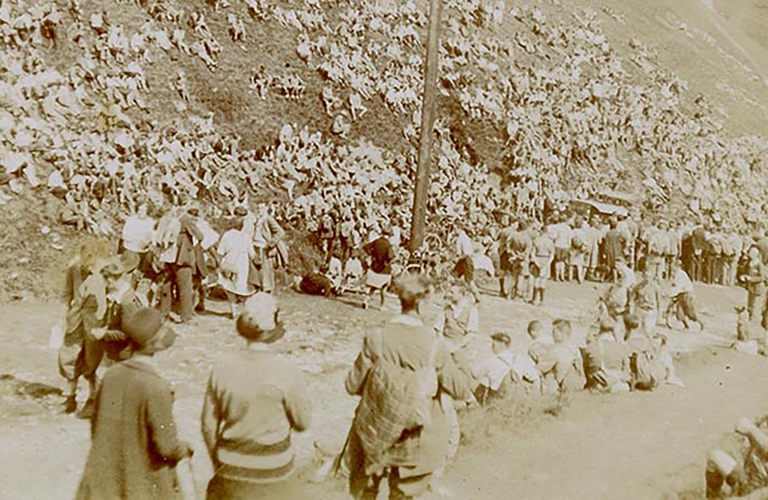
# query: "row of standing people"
[589,248]
[183,255]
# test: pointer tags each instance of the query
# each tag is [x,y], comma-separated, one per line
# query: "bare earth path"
[634,445]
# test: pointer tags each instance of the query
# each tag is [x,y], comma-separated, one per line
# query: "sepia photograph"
[383,249]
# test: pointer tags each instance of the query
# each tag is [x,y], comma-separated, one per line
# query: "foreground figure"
[135,447]
[400,430]
[253,402]
[740,471]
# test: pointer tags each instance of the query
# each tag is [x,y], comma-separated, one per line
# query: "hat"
[259,319]
[145,329]
[501,337]
[117,266]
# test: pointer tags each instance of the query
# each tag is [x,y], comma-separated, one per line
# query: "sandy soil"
[598,446]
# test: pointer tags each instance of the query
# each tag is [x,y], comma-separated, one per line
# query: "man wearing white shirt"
[464,246]
[682,291]
[137,235]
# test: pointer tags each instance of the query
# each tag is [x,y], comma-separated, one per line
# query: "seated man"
[459,317]
[744,341]
[493,373]
[741,469]
[315,283]
[560,363]
[682,292]
[353,272]
[606,363]
[335,271]
[651,363]
[524,369]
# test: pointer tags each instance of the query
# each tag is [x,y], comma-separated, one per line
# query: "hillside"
[557,99]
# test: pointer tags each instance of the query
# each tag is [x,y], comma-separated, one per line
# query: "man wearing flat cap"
[402,434]
[134,444]
[253,403]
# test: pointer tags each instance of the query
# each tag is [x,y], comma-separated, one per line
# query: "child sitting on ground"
[651,363]
[560,364]
[493,372]
[744,341]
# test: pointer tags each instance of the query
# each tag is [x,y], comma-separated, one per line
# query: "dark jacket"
[134,446]
[190,254]
[382,254]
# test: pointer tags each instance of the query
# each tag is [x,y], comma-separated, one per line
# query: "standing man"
[380,271]
[542,255]
[613,249]
[673,250]
[189,262]
[732,248]
[505,263]
[134,444]
[715,257]
[580,244]
[518,253]
[138,232]
[562,235]
[402,434]
[253,403]
[83,350]
[596,235]
[699,245]
[268,239]
[755,279]
[658,242]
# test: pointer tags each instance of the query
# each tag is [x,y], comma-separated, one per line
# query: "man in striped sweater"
[253,402]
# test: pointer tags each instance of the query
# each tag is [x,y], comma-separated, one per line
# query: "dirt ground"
[598,446]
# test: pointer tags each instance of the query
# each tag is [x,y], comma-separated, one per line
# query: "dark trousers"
[177,283]
[696,267]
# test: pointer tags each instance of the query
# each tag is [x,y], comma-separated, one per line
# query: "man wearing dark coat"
[134,444]
[613,248]
[188,263]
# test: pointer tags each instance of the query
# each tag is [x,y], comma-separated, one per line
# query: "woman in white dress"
[236,251]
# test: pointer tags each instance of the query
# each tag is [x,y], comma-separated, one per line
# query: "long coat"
[134,445]
[190,253]
[407,343]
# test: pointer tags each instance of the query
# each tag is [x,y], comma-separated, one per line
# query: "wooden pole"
[418,219]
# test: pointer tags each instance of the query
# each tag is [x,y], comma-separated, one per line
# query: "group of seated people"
[553,361]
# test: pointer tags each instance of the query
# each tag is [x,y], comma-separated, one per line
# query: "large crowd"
[184,200]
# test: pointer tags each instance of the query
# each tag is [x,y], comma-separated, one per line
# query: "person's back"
[403,345]
[140,464]
[134,443]
[381,254]
[260,398]
[606,363]
[253,401]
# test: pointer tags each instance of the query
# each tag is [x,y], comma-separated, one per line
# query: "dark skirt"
[220,488]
